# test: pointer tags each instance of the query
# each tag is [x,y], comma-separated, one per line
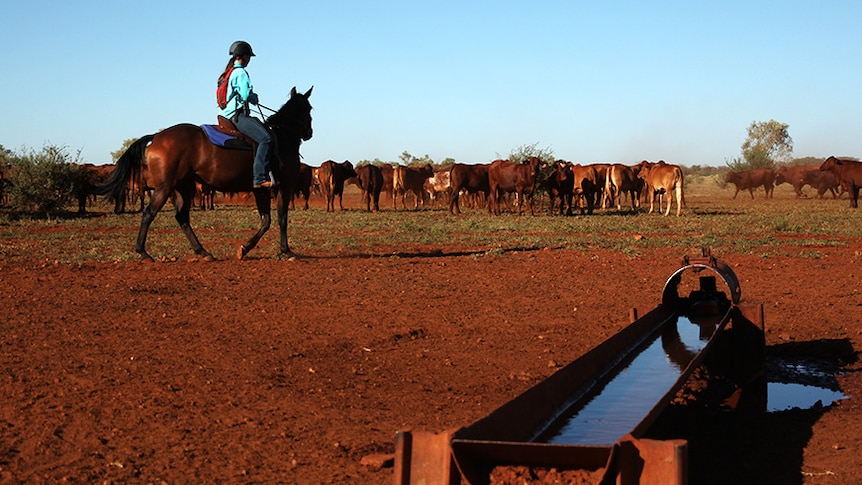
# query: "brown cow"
[388,172]
[795,176]
[622,179]
[561,183]
[410,179]
[587,189]
[205,194]
[332,176]
[519,178]
[601,179]
[752,179]
[370,180]
[821,182]
[473,179]
[849,175]
[662,178]
[304,182]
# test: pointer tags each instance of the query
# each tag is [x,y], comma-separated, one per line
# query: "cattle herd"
[834,175]
[502,183]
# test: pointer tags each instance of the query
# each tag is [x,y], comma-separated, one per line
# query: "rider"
[240,94]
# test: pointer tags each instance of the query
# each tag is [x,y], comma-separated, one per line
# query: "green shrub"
[42,182]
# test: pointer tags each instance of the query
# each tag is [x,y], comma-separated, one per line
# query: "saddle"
[225,134]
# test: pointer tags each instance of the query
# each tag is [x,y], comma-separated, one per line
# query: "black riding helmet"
[240,48]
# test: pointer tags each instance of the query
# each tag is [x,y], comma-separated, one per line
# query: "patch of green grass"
[711,218]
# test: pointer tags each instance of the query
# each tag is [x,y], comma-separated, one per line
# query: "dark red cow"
[332,176]
[795,176]
[85,182]
[560,184]
[518,178]
[849,175]
[303,185]
[821,182]
[370,180]
[752,179]
[410,179]
[472,179]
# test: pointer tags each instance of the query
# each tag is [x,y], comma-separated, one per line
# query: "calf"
[370,180]
[518,178]
[410,179]
[332,176]
[849,175]
[752,179]
[472,179]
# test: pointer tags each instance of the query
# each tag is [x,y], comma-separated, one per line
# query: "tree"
[119,153]
[768,143]
[43,182]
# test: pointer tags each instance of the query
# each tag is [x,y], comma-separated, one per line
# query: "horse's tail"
[128,168]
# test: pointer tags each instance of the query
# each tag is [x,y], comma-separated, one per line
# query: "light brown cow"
[622,179]
[410,179]
[587,186]
[662,178]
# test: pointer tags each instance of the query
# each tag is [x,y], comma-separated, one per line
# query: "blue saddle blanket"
[222,139]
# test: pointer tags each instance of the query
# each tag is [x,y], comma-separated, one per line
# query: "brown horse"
[181,155]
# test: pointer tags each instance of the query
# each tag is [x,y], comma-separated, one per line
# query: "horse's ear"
[308,93]
[293,91]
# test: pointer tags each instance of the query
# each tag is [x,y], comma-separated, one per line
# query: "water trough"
[592,415]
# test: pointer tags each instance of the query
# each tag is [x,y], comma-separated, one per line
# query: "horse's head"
[295,116]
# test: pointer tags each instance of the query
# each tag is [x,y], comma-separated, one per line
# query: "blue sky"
[591,81]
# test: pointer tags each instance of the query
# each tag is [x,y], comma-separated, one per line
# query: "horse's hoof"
[209,257]
[240,253]
[146,258]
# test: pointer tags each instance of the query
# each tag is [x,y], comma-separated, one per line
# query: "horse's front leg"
[282,226]
[262,197]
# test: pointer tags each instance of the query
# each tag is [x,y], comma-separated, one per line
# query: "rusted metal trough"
[592,416]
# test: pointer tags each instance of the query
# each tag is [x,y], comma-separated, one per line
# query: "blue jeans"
[254,129]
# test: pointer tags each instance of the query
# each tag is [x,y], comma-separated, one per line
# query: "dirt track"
[292,371]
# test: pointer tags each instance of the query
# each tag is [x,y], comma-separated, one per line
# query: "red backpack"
[222,88]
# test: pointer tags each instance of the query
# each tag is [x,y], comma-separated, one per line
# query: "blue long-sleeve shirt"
[240,91]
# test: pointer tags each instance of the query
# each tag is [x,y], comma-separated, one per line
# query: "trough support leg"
[423,457]
[651,462]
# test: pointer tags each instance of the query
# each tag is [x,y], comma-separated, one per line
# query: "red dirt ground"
[266,371]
